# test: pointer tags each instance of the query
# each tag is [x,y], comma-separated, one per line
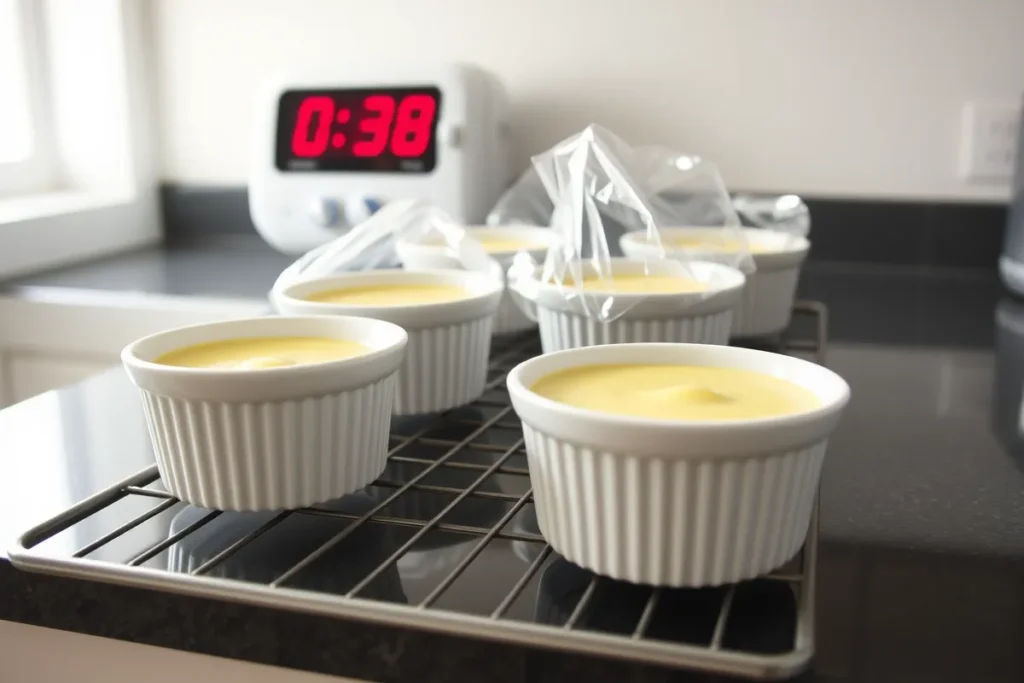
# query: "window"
[25,162]
[76,164]
[15,126]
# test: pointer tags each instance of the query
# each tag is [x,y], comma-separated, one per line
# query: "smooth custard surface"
[391,295]
[643,284]
[676,392]
[254,353]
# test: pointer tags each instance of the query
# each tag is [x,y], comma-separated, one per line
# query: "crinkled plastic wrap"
[783,213]
[525,203]
[372,244]
[593,188]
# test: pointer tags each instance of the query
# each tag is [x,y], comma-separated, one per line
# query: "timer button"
[324,212]
[359,209]
[451,135]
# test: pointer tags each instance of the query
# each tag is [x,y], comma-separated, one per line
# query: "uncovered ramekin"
[675,503]
[446,359]
[699,317]
[767,302]
[509,319]
[269,439]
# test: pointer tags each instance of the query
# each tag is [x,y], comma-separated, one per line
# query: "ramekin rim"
[656,296]
[495,288]
[799,244]
[516,386]
[129,357]
[409,242]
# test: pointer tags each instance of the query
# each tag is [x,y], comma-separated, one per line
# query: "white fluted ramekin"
[675,503]
[449,342]
[767,302]
[690,317]
[509,319]
[275,438]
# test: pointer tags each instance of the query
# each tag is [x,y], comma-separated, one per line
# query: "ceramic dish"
[449,342]
[702,317]
[670,502]
[268,439]
[510,318]
[767,302]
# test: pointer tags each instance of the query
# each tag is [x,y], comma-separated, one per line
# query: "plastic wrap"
[783,213]
[599,188]
[525,203]
[372,244]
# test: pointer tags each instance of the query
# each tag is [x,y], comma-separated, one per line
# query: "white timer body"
[298,210]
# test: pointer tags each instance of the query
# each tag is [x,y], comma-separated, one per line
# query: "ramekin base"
[766,305]
[445,367]
[560,330]
[271,455]
[672,522]
[510,319]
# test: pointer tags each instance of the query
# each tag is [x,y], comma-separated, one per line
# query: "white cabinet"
[29,655]
[53,337]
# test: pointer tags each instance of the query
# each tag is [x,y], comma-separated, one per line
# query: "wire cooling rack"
[454,502]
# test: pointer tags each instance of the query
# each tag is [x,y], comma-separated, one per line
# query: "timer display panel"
[367,130]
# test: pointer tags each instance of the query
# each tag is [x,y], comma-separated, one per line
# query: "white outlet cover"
[988,141]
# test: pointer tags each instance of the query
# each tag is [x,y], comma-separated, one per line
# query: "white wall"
[827,97]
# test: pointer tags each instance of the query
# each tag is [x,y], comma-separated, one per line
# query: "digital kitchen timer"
[329,147]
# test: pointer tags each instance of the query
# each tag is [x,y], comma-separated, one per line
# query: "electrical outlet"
[989,141]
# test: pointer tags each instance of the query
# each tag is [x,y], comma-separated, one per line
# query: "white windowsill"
[49,204]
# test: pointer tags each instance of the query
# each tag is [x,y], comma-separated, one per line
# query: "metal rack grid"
[712,654]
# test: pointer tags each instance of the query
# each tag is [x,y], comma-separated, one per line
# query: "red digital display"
[362,130]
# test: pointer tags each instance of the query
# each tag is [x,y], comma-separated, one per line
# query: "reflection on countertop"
[762,615]
[61,447]
[242,267]
[1007,393]
[210,550]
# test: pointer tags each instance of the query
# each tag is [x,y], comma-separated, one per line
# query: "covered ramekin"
[269,439]
[767,302]
[449,342]
[701,317]
[424,253]
[671,502]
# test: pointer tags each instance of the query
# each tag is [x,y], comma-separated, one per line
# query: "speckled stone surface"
[281,638]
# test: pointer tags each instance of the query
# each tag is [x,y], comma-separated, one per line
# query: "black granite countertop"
[921,564]
[230,267]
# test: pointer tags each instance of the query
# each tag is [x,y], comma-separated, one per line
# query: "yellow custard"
[643,284]
[495,245]
[391,295]
[718,245]
[676,392]
[256,353]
